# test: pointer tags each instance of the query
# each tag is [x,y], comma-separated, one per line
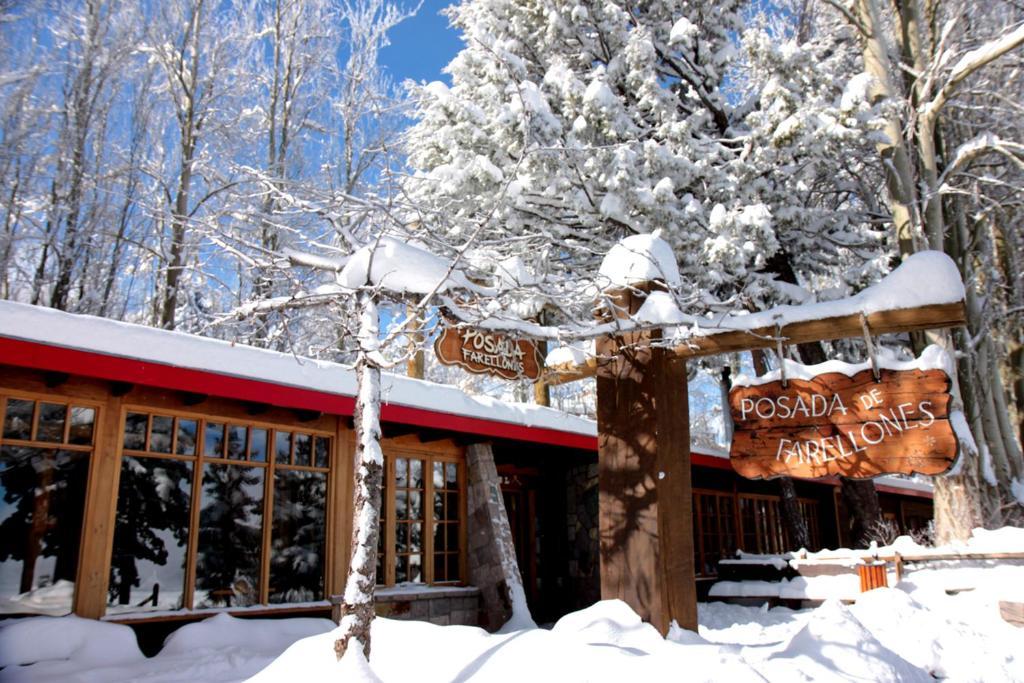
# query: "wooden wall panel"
[339,508]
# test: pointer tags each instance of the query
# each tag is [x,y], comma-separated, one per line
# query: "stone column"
[492,555]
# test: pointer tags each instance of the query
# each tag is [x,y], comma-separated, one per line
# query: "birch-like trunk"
[899,174]
[977,493]
[357,600]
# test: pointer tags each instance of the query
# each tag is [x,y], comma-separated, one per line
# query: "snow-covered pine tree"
[573,124]
[568,125]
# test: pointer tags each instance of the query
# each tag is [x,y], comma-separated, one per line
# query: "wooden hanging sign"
[485,352]
[836,424]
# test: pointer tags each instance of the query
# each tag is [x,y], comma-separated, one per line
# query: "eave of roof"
[45,339]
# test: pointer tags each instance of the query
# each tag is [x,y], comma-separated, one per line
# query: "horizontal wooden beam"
[932,317]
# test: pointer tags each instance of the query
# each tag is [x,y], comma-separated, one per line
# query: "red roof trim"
[119,369]
[917,493]
[701,460]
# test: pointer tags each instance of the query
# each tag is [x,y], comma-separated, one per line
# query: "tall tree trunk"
[357,600]
[899,175]
[1017,363]
[190,122]
[416,366]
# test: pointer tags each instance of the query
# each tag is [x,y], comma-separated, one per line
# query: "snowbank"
[833,646]
[888,635]
[73,650]
[37,639]
[224,631]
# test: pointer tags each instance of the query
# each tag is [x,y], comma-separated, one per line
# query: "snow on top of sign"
[640,258]
[110,337]
[926,278]
[401,267]
[932,358]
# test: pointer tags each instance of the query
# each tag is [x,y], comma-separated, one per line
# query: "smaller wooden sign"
[489,353]
[840,425]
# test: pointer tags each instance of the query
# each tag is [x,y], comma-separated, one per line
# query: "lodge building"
[152,477]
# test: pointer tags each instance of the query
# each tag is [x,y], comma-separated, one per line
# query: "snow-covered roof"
[125,340]
[149,345]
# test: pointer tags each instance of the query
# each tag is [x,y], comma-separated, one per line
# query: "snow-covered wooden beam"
[936,316]
[924,293]
[882,322]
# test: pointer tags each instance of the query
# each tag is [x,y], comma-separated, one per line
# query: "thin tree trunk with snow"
[357,600]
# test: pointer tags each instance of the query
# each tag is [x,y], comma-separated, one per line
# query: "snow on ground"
[888,635]
[920,630]
[220,649]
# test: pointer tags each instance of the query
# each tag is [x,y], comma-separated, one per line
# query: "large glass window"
[714,518]
[420,493]
[297,540]
[230,536]
[191,529]
[725,522]
[44,467]
[151,534]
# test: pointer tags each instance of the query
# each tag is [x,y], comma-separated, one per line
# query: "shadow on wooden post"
[646,525]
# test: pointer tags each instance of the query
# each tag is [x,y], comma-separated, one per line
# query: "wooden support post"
[100,514]
[339,507]
[645,497]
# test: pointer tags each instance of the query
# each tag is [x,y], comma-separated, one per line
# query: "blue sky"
[422,46]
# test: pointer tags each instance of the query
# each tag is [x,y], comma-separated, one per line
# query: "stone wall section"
[492,556]
[584,572]
[455,606]
[459,606]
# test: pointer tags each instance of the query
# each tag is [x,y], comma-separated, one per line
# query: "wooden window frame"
[768,532]
[69,401]
[699,547]
[429,457]
[270,466]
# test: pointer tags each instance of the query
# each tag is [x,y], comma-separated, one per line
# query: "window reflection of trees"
[297,545]
[44,468]
[422,507]
[230,536]
[43,497]
[151,533]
